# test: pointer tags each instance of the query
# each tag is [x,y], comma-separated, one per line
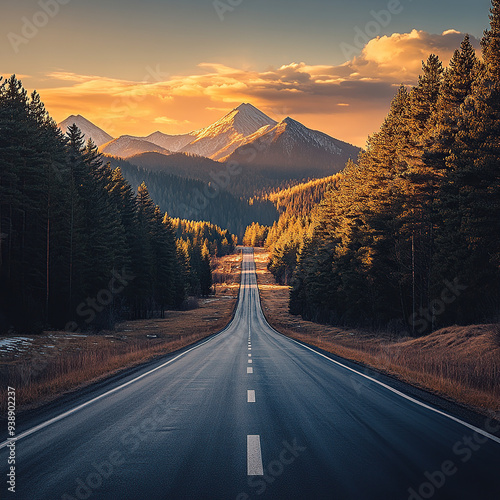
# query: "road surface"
[247,414]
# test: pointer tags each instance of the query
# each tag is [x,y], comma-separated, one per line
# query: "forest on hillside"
[78,247]
[194,199]
[297,206]
[410,236]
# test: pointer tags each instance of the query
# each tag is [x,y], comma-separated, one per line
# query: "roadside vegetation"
[461,363]
[44,367]
[406,238]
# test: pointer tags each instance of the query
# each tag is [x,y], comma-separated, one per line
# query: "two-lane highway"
[247,414]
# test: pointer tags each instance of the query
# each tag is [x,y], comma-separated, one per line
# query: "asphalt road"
[251,414]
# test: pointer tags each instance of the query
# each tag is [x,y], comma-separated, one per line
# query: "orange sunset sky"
[130,74]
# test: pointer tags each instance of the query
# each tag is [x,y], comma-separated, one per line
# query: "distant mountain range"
[127,146]
[290,146]
[222,137]
[267,152]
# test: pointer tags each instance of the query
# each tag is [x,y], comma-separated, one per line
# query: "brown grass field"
[461,363]
[43,367]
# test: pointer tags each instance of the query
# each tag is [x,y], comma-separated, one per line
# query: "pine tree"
[144,281]
[34,194]
[469,250]
[205,272]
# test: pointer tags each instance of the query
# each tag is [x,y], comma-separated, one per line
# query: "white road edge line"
[388,387]
[254,456]
[116,389]
[251,396]
[399,393]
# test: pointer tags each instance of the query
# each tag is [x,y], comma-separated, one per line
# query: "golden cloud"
[169,121]
[357,92]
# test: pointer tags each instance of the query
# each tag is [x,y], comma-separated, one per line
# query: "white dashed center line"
[249,369]
[254,456]
[251,396]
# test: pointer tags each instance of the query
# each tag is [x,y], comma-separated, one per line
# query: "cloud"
[170,121]
[401,55]
[358,91]
[6,76]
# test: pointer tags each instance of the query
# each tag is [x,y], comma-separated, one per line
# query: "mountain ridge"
[88,129]
[265,148]
[293,146]
[126,146]
[227,133]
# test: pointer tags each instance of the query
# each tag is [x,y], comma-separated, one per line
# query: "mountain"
[291,149]
[88,129]
[173,143]
[225,135]
[197,200]
[127,146]
[266,154]
[181,164]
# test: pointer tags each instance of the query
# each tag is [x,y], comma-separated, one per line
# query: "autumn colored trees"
[410,237]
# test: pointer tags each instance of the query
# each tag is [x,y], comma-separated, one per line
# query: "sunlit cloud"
[170,121]
[348,101]
[18,76]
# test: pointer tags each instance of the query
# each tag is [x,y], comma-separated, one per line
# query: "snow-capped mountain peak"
[225,135]
[247,119]
[296,132]
[292,146]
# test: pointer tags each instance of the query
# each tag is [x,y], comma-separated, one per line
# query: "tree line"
[213,239]
[199,241]
[78,248]
[410,237]
[194,199]
[297,206]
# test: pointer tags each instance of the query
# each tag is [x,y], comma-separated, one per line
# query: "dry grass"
[59,362]
[459,363]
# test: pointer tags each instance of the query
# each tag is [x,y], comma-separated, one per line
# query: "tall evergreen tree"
[469,248]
